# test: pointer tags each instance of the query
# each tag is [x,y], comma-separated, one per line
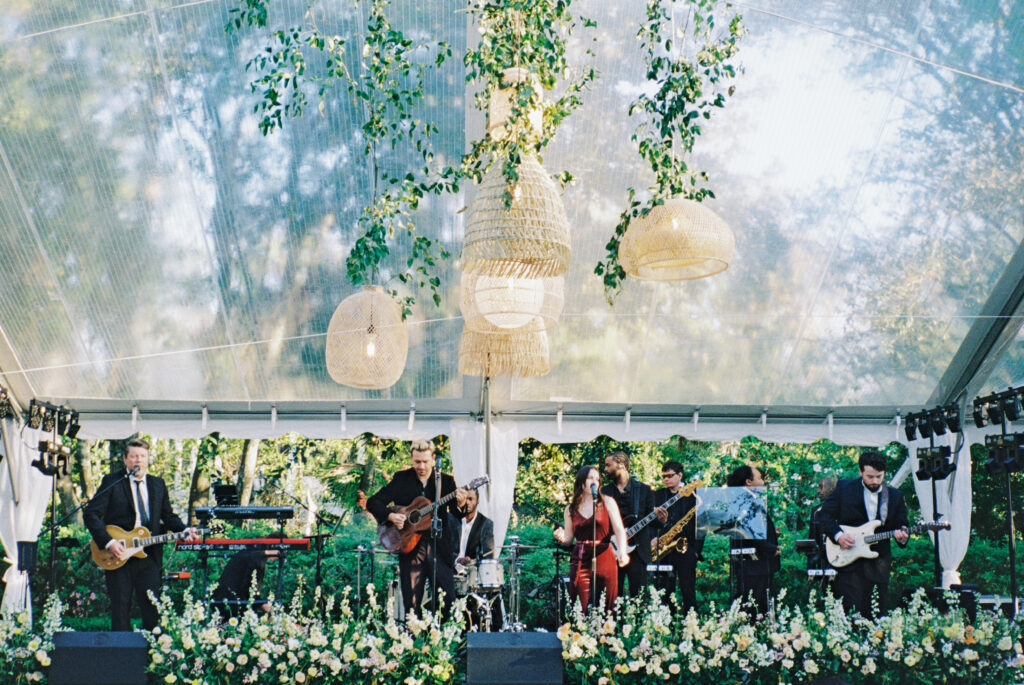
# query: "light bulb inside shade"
[371,344]
[509,302]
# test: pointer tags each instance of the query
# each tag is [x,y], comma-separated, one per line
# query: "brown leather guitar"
[418,515]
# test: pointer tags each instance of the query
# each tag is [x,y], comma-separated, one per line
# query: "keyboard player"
[243,571]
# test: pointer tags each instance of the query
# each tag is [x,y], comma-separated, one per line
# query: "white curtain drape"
[24,494]
[469,460]
[953,499]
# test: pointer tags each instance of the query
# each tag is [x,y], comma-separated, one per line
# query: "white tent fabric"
[24,493]
[469,460]
[953,500]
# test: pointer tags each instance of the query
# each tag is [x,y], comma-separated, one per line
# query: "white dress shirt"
[871,502]
[145,500]
[464,538]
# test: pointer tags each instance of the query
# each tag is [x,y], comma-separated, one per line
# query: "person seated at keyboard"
[236,581]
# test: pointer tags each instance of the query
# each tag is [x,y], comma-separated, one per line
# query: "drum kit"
[482,583]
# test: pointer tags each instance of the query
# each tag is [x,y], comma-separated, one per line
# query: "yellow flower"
[300,677]
[170,678]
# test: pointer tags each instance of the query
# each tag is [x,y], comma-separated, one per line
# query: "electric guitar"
[418,515]
[684,491]
[135,541]
[864,536]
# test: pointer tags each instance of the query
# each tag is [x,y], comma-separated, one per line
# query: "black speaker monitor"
[513,659]
[111,658]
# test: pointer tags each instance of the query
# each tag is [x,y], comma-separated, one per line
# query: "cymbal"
[528,546]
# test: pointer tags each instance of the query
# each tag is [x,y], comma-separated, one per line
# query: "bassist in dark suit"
[138,500]
[683,564]
[423,560]
[850,504]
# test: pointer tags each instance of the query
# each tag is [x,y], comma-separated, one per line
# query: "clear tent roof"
[155,247]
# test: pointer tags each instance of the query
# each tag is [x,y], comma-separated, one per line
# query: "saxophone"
[673,540]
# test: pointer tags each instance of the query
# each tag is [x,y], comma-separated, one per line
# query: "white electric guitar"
[864,536]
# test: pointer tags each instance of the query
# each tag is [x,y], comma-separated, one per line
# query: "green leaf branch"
[689,86]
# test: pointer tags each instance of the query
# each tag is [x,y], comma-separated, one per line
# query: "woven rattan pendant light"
[677,241]
[367,341]
[493,304]
[493,354]
[499,106]
[528,240]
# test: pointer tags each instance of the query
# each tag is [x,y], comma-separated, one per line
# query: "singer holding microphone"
[128,499]
[591,520]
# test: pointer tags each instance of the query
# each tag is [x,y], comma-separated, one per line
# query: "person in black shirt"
[753,572]
[423,561]
[683,564]
[816,531]
[635,501]
[237,578]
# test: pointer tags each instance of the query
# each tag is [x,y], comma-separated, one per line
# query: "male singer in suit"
[753,572]
[129,499]
[415,567]
[854,503]
[683,564]
[635,501]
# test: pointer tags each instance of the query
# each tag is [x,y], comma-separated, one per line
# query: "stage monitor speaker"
[116,658]
[968,600]
[513,659]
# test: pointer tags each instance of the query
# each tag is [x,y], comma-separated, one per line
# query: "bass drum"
[486,574]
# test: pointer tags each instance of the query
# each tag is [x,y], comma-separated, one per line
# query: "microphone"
[593,490]
[134,470]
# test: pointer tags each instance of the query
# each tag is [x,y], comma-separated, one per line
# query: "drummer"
[471,538]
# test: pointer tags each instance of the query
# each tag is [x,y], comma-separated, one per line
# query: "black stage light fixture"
[67,422]
[938,421]
[952,416]
[5,404]
[942,466]
[910,427]
[35,414]
[73,426]
[924,425]
[980,419]
[924,464]
[994,410]
[1009,402]
[996,453]
[49,419]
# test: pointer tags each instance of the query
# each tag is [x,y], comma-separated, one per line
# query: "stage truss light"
[910,426]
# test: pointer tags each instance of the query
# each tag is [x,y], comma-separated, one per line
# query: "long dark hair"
[577,488]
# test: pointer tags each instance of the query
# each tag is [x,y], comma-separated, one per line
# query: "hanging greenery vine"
[690,83]
[530,36]
[385,83]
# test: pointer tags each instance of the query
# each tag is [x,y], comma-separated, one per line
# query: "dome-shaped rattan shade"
[367,341]
[530,240]
[493,354]
[493,304]
[677,241]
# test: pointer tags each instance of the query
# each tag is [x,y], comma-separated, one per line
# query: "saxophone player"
[684,563]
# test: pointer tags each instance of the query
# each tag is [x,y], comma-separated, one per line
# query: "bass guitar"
[684,491]
[864,536]
[418,515]
[135,541]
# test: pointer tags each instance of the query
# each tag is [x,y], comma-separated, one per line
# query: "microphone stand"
[435,533]
[593,556]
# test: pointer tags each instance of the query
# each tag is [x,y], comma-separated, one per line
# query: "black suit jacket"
[845,506]
[116,506]
[480,544]
[766,560]
[636,502]
[237,576]
[403,488]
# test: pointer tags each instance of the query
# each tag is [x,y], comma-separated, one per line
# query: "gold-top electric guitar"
[135,541]
[864,536]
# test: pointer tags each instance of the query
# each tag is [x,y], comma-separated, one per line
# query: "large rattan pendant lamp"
[677,241]
[367,341]
[492,304]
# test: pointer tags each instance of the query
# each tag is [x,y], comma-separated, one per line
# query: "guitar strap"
[883,503]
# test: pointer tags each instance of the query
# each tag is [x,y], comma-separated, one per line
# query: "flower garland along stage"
[644,642]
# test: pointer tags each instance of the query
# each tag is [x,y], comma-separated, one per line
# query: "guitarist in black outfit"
[850,504]
[684,565]
[117,505]
[415,567]
[635,501]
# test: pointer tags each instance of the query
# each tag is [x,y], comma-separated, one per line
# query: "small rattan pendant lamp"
[677,241]
[493,354]
[367,341]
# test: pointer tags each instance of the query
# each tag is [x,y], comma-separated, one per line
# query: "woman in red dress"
[579,524]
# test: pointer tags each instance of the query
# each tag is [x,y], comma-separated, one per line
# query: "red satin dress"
[580,571]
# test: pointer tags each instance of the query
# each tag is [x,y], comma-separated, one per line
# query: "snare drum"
[461,584]
[486,574]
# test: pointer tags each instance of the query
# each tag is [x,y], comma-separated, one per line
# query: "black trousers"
[138,577]
[685,568]
[636,572]
[857,583]
[752,583]
[416,567]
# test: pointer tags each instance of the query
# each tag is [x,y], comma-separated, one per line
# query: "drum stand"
[485,610]
[515,593]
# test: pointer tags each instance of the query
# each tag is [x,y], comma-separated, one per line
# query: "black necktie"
[143,514]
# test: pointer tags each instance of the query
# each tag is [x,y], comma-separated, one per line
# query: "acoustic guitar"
[135,542]
[418,515]
[864,536]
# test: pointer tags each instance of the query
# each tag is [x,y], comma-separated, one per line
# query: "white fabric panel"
[953,499]
[262,427]
[24,494]
[469,460]
[549,431]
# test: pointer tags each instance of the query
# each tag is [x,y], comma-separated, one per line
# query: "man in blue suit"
[854,503]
